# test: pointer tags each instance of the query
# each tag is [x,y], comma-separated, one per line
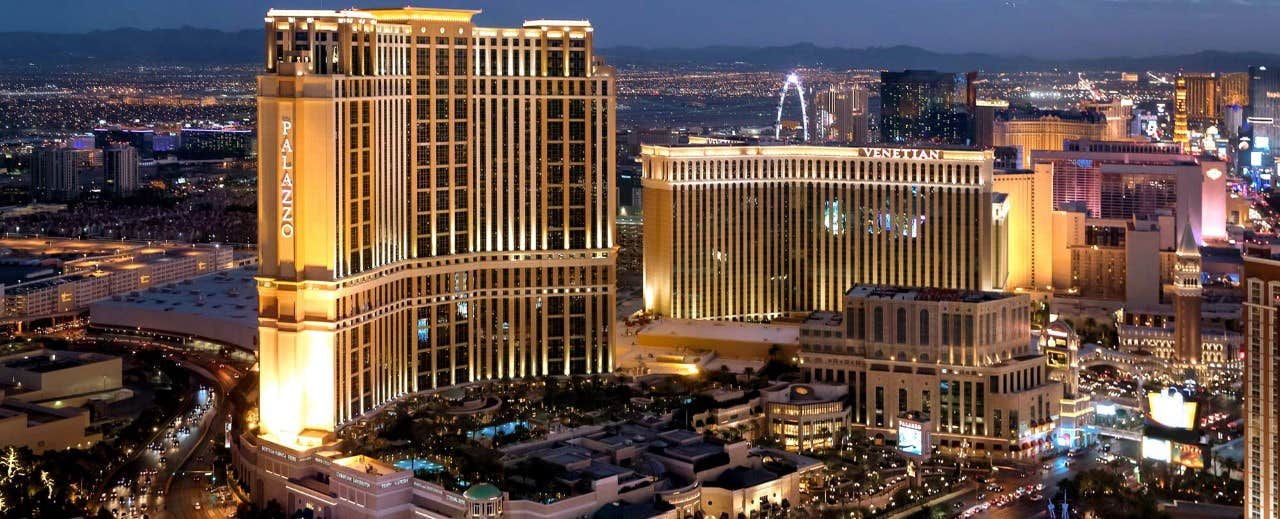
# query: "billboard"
[1155,449]
[1170,409]
[1190,456]
[910,438]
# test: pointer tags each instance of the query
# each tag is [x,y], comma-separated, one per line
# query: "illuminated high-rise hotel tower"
[436,207]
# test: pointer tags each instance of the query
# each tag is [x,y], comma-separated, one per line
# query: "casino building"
[436,207]
[756,232]
[963,361]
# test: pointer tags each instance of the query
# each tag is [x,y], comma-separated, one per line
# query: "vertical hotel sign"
[286,178]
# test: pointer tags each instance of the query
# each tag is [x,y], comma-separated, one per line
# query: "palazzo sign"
[286,178]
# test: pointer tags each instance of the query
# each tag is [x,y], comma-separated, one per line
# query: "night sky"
[1042,28]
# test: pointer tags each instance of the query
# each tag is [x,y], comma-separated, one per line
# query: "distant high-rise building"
[1261,284]
[1119,114]
[1045,130]
[925,107]
[1123,180]
[838,111]
[57,172]
[984,121]
[1195,104]
[120,168]
[1233,89]
[142,139]
[1264,104]
[215,143]
[1202,98]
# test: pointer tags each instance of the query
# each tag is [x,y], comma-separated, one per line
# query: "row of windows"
[866,170]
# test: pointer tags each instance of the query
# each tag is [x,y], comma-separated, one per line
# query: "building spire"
[1187,245]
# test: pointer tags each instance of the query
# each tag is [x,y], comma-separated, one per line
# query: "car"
[1046,466]
[1037,497]
[982,497]
[958,505]
[1039,487]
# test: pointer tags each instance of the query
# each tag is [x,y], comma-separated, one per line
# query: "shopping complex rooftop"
[924,294]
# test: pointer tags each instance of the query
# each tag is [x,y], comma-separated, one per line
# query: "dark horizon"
[1079,28]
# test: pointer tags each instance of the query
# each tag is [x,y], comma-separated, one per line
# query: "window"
[924,327]
[901,321]
[877,324]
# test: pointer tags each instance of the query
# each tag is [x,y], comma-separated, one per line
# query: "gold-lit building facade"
[757,232]
[965,359]
[436,207]
[1047,133]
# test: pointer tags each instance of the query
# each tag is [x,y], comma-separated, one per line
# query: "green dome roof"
[482,492]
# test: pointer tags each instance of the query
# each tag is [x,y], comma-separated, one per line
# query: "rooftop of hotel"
[73,255]
[367,465]
[48,361]
[924,294]
[1035,114]
[229,295]
[824,318]
[724,331]
[733,142]
[804,393]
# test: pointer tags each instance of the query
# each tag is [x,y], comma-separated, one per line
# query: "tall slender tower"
[1186,299]
[1180,128]
[436,207]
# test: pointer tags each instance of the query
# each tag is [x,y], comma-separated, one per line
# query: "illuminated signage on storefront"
[910,438]
[286,178]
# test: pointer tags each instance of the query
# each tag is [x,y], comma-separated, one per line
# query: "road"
[184,460]
[141,492]
[192,486]
[1025,507]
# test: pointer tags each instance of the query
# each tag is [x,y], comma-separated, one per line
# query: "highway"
[170,481]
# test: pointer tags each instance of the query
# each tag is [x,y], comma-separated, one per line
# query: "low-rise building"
[806,417]
[42,393]
[84,271]
[221,307]
[627,468]
[59,378]
[965,358]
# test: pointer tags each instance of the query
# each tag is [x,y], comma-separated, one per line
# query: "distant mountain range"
[207,46]
[131,47]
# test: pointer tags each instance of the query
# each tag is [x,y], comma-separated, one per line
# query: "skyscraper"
[756,232]
[924,106]
[1264,103]
[436,208]
[1119,114]
[1261,283]
[840,114]
[1045,130]
[56,171]
[120,168]
[1233,89]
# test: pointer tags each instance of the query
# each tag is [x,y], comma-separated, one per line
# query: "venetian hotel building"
[758,232]
[436,208]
